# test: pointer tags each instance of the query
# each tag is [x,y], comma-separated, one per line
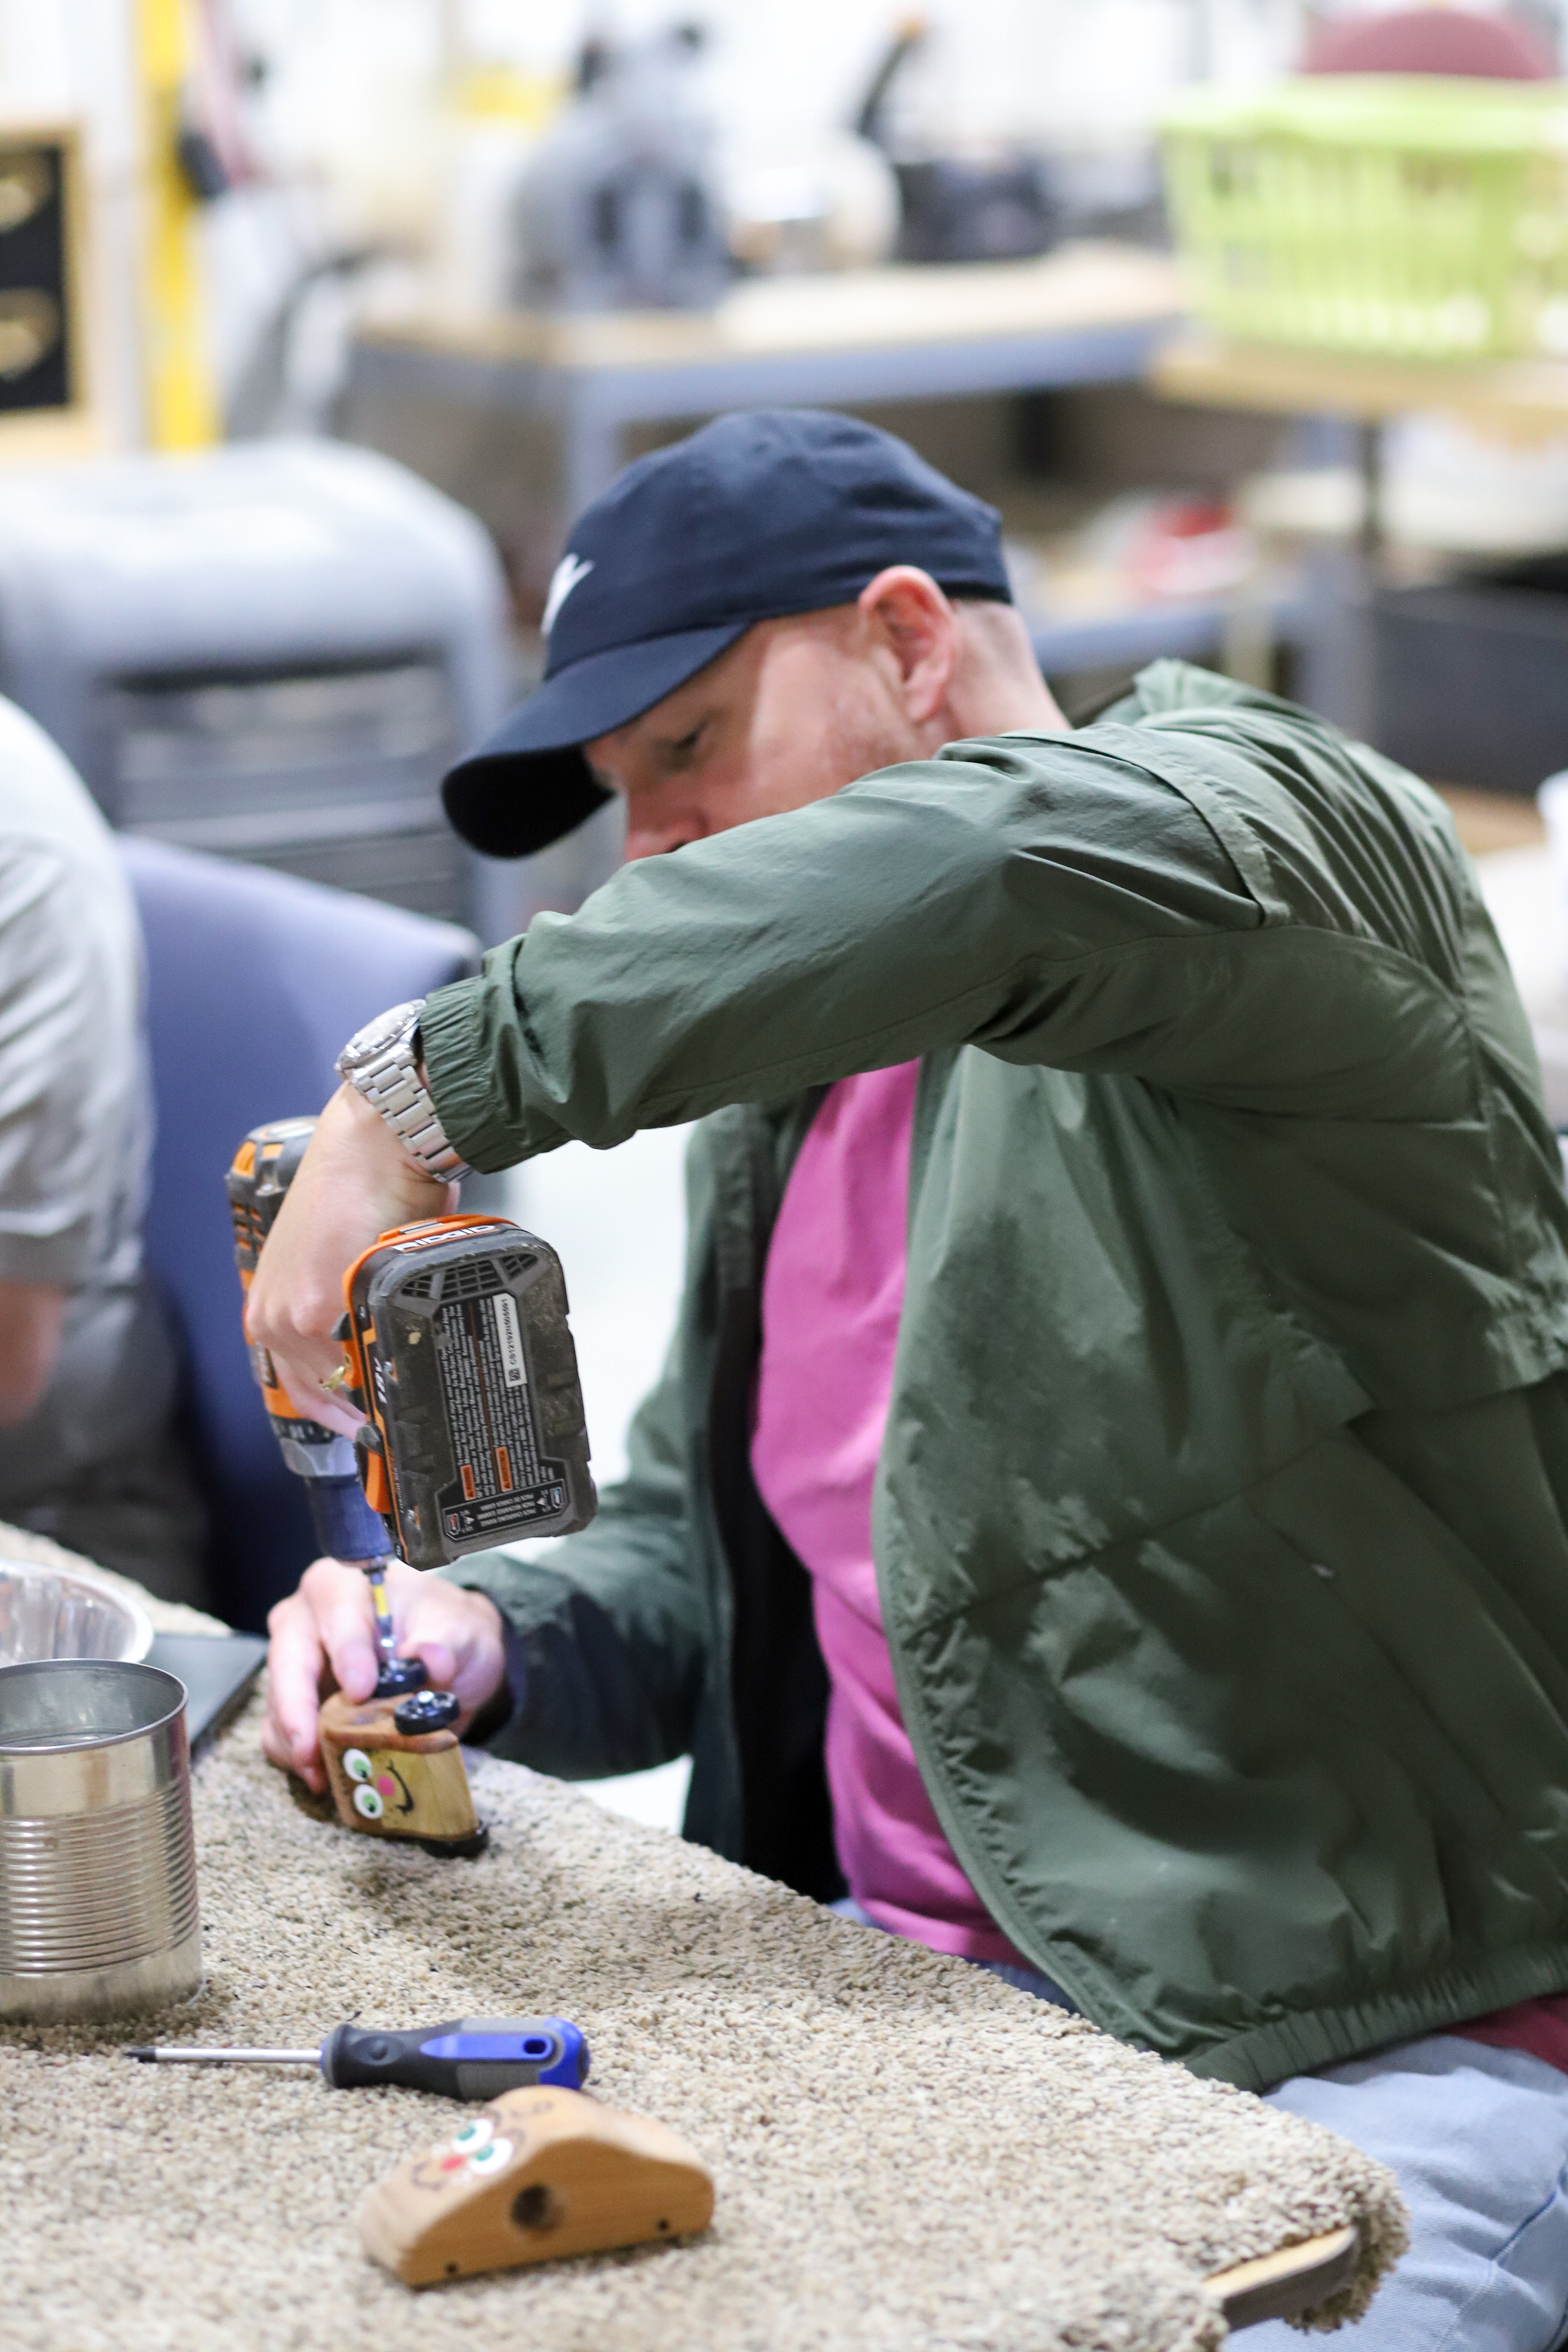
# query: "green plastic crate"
[1396,217]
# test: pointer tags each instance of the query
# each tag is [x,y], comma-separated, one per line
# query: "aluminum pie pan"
[67,1612]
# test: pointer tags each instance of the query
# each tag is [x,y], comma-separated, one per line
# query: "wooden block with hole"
[539,2173]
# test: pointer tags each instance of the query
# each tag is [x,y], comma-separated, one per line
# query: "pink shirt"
[1539,2027]
[831,1294]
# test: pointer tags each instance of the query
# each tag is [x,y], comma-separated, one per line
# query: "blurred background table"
[1086,313]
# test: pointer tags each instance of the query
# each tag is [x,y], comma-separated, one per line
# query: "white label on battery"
[510,1338]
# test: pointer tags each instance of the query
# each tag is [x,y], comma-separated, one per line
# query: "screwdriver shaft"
[385,1637]
[161,2055]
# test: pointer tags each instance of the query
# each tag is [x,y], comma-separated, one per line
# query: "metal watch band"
[381,1062]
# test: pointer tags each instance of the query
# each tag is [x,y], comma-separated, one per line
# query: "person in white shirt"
[89,1449]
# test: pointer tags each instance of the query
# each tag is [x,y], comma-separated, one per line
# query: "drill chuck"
[344,1526]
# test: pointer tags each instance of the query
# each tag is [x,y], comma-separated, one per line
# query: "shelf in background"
[1527,398]
[1086,313]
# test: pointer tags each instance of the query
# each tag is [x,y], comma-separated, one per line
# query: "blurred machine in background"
[270,651]
[618,206]
[992,206]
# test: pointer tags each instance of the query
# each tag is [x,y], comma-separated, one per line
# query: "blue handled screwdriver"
[467,2058]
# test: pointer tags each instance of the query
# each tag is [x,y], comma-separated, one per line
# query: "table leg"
[1361,717]
[1369,466]
[591,442]
[1339,672]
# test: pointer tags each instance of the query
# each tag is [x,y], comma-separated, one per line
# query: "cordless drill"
[458,1351]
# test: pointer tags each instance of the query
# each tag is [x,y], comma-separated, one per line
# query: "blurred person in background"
[90,1453]
[1107,1505]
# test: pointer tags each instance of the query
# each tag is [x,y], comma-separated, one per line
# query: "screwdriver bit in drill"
[470,2058]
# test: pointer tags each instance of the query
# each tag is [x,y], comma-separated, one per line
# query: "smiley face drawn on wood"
[378,1783]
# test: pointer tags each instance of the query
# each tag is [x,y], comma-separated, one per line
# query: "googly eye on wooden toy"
[539,2173]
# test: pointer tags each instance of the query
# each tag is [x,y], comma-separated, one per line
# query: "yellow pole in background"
[182,399]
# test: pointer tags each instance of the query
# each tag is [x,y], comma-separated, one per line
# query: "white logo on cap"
[568,573]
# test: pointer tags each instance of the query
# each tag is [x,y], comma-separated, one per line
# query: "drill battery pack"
[458,1346]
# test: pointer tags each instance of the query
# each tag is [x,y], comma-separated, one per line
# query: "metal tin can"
[98,1864]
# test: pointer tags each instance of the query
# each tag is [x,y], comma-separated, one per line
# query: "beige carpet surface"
[908,2154]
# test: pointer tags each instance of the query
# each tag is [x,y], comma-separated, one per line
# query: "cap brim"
[529,782]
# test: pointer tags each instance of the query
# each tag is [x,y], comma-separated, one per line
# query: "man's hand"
[354,1182]
[325,1633]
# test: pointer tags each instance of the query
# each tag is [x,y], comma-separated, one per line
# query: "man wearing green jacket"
[1104,1505]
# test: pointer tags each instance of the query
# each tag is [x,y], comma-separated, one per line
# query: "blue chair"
[254,981]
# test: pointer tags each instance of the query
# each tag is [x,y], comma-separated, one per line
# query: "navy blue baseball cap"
[759,515]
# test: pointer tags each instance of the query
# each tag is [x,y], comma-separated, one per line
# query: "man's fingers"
[323,1629]
[421,1613]
[328,1629]
[278,1748]
[294,1664]
[438,1661]
[302,1375]
[355,1181]
[455,1632]
[304,1321]
[345,1622]
[474,1664]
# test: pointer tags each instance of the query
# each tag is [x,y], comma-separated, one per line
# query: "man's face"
[793,711]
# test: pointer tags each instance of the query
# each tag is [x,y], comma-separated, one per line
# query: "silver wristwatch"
[382,1062]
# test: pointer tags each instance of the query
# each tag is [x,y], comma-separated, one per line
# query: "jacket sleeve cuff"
[452,1032]
[524,1603]
[502,1712]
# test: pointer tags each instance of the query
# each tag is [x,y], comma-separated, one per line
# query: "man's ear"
[905,609]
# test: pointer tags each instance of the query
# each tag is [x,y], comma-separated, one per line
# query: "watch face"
[372,1040]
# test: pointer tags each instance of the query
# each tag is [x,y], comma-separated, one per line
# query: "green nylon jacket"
[1219,1526]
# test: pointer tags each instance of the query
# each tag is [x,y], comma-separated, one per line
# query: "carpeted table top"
[908,2154]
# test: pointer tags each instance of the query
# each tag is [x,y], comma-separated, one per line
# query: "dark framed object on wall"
[43,373]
